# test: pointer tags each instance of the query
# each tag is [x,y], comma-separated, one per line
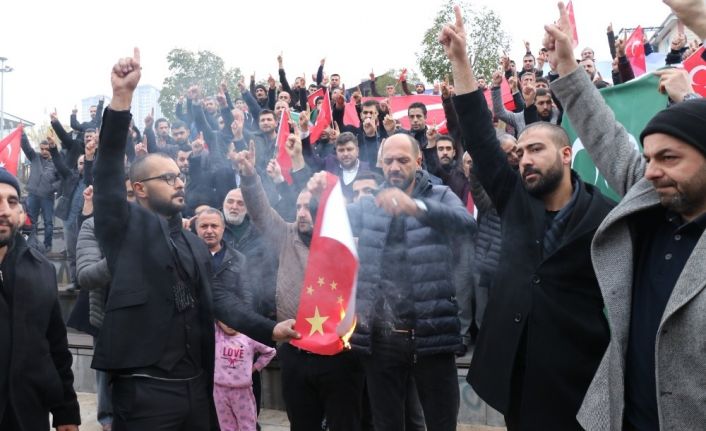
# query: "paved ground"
[270,420]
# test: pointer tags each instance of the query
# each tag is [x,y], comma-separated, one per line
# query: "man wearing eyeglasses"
[157,338]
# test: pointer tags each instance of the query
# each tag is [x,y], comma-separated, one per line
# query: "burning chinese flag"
[696,66]
[326,314]
[635,52]
[285,162]
[10,150]
[572,20]
[323,120]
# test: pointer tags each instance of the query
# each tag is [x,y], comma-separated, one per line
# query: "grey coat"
[92,271]
[680,345]
[514,119]
[44,179]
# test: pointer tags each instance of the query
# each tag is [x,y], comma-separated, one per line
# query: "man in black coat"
[157,336]
[544,331]
[35,361]
[407,314]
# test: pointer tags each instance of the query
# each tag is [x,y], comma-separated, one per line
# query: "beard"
[687,198]
[401,182]
[235,219]
[547,182]
[7,238]
[167,208]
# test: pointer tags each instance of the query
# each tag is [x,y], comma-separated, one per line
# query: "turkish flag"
[696,66]
[10,150]
[505,93]
[435,109]
[285,162]
[323,120]
[572,20]
[635,51]
[326,314]
[312,97]
[350,114]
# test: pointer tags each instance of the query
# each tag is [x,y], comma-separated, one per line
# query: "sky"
[63,51]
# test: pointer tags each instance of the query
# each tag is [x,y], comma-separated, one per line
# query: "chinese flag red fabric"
[312,97]
[10,151]
[572,19]
[323,120]
[285,162]
[635,52]
[326,314]
[696,66]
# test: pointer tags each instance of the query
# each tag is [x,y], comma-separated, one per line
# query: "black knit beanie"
[8,178]
[685,121]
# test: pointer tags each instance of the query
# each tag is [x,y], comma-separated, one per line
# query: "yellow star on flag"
[310,290]
[316,322]
[333,285]
[321,281]
[340,300]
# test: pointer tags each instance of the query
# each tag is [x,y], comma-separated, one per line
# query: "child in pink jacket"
[232,378]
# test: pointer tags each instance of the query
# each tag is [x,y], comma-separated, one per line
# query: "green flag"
[634,104]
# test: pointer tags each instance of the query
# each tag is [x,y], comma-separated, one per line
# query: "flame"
[348,333]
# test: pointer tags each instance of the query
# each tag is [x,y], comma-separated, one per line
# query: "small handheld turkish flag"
[696,66]
[635,52]
[323,120]
[326,314]
[10,150]
[285,162]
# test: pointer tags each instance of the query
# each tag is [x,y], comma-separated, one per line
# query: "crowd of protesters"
[188,243]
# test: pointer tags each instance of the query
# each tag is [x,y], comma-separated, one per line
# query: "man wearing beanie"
[649,254]
[35,361]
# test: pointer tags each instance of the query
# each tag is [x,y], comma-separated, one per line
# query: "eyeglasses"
[168,178]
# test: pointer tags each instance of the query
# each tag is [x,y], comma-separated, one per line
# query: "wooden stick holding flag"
[326,314]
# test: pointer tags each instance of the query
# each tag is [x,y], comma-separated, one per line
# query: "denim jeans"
[35,204]
[388,370]
[104,412]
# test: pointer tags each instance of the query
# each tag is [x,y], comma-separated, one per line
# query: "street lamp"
[3,69]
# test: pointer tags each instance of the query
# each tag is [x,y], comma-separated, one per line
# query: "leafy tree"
[391,77]
[201,68]
[486,41]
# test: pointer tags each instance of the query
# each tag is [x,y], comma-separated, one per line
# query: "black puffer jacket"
[429,253]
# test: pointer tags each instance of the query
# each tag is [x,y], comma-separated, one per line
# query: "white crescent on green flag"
[634,104]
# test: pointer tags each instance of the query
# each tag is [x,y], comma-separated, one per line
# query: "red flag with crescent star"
[282,156]
[635,52]
[10,150]
[696,66]
[326,314]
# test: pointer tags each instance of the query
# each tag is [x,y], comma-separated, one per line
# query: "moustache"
[530,170]
[179,194]
[664,183]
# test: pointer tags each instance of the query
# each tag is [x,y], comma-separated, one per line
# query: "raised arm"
[606,140]
[263,216]
[111,208]
[283,76]
[496,175]
[58,159]
[26,147]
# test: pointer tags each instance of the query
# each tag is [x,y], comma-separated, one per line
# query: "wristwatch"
[691,96]
[421,205]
